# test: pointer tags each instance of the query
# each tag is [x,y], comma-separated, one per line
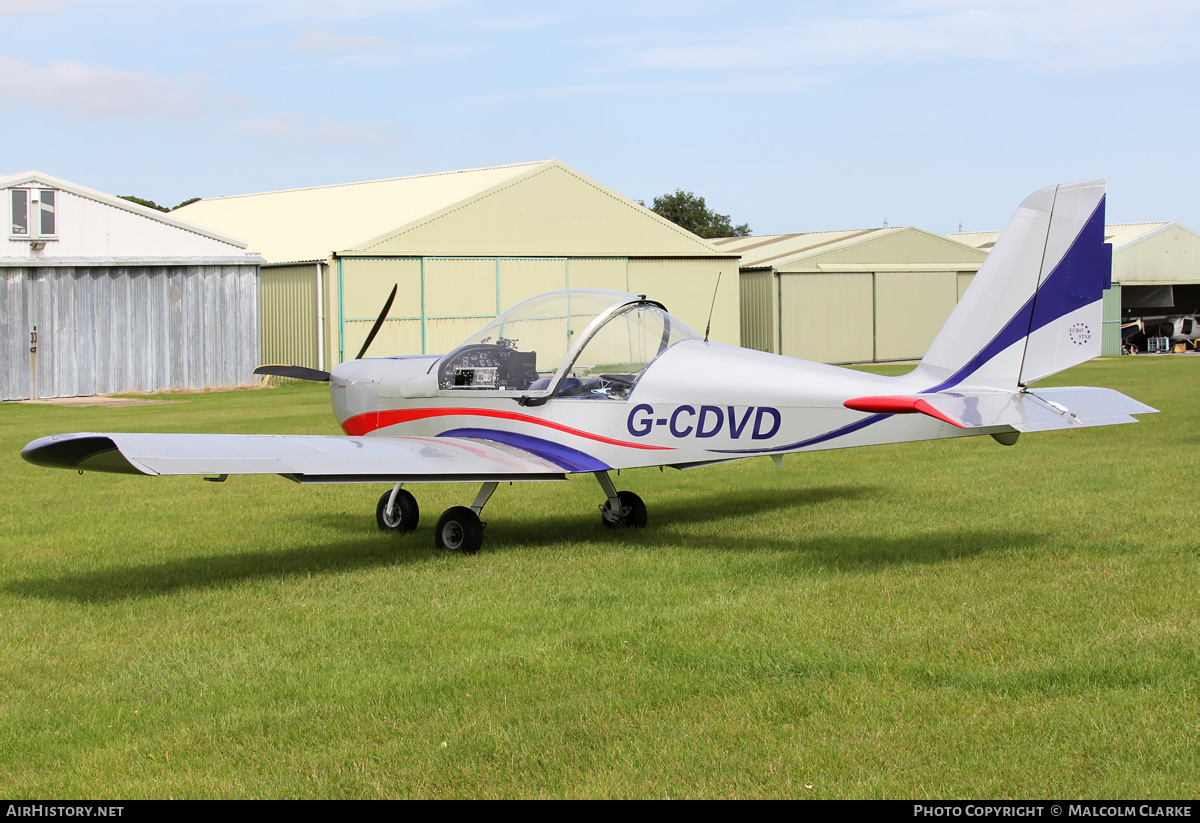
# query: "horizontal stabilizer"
[900,404]
[1024,411]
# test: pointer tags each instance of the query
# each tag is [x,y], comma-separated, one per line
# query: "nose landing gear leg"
[621,509]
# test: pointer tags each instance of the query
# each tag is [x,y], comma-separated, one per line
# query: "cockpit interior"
[586,344]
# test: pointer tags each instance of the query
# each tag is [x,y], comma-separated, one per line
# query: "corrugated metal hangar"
[462,246]
[849,296]
[1156,273]
[100,295]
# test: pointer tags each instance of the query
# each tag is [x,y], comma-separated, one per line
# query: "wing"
[305,459]
[1029,410]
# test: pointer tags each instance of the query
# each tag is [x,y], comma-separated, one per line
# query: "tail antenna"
[713,306]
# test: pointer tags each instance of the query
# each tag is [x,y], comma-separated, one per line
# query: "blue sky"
[789,116]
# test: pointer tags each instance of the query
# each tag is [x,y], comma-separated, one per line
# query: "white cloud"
[83,93]
[1068,35]
[342,9]
[319,40]
[395,55]
[14,8]
[527,23]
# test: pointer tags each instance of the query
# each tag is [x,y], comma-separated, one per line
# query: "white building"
[100,295]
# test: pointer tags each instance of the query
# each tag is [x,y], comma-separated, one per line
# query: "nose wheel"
[622,510]
[631,514]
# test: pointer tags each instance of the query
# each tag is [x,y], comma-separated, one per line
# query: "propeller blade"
[298,372]
[378,323]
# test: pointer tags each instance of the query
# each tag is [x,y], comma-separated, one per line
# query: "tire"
[404,516]
[459,530]
[635,519]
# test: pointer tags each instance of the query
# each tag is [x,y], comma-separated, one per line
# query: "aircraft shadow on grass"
[819,549]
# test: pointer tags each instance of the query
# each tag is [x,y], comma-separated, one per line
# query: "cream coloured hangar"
[462,246]
[849,296]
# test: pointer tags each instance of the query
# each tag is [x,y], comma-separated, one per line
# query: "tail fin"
[1035,307]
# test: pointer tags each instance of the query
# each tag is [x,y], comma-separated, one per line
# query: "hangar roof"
[538,208]
[1119,234]
[1143,253]
[893,249]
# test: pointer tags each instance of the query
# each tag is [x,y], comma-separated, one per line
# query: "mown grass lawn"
[948,619]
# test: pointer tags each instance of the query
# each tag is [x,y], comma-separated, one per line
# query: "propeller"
[298,372]
[378,323]
[316,375]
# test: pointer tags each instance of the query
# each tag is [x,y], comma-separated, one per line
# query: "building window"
[33,213]
[20,213]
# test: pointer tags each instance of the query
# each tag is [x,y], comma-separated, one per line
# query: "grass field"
[944,619]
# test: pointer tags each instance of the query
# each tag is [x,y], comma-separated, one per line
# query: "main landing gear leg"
[459,528]
[397,511]
[621,509]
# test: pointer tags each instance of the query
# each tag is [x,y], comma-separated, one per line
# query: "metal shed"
[849,296]
[1156,269]
[461,246]
[100,295]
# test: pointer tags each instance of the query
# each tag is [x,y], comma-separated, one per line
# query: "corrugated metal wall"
[687,288]
[828,318]
[442,300]
[964,280]
[1110,338]
[758,310]
[1171,256]
[910,309]
[359,287]
[15,329]
[288,297]
[103,330]
[848,317]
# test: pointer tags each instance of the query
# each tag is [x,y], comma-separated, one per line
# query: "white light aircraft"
[591,381]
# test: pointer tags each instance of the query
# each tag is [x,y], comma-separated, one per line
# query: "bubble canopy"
[588,344]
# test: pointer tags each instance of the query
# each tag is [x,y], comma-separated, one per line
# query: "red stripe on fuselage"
[366,423]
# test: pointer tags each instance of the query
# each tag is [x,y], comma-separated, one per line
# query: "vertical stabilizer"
[1065,327]
[1035,306]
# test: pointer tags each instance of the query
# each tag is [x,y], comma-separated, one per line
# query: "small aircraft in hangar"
[588,381]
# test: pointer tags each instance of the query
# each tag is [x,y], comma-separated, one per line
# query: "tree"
[150,204]
[685,209]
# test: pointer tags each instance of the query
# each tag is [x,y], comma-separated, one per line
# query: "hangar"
[849,296]
[461,246]
[1156,273]
[100,295]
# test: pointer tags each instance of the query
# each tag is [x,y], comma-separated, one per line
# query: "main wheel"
[405,512]
[632,514]
[459,530]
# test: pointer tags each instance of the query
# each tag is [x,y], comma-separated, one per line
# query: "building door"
[18,337]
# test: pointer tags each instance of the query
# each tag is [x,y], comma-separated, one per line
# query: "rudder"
[1035,306]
